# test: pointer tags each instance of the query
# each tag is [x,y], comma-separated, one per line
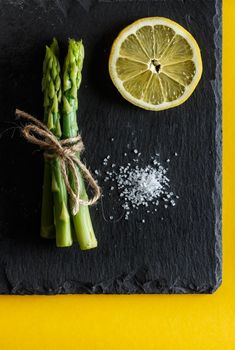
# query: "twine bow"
[66,150]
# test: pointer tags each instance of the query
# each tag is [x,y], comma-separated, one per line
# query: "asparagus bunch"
[56,216]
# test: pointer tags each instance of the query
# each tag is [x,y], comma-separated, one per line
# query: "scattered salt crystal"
[111,217]
[168,160]
[176,154]
[143,221]
[147,186]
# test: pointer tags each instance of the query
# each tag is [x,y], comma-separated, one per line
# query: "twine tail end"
[74,204]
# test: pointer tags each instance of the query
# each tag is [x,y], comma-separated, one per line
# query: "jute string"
[66,150]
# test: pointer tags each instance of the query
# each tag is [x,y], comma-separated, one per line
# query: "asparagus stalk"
[47,215]
[53,181]
[71,83]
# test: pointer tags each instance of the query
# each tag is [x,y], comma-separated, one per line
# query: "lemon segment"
[132,49]
[182,72]
[179,50]
[136,86]
[146,39]
[154,94]
[172,89]
[127,68]
[155,63]
[163,36]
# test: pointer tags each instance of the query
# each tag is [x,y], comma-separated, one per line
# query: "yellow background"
[184,322]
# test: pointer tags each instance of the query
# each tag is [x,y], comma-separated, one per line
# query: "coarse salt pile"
[138,186]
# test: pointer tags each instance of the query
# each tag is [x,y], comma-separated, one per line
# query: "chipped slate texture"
[180,253]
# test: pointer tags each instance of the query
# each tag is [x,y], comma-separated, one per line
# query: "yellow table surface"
[184,322]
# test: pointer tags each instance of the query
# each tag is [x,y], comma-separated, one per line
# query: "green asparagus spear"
[71,82]
[53,181]
[47,215]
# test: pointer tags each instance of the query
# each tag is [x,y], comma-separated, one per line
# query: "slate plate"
[176,250]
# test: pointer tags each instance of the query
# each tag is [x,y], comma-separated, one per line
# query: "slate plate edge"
[217,194]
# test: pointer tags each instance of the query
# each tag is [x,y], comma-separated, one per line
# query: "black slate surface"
[180,253]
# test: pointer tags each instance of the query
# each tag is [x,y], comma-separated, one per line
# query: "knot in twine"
[66,150]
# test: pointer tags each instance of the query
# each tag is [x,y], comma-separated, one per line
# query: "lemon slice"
[155,63]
